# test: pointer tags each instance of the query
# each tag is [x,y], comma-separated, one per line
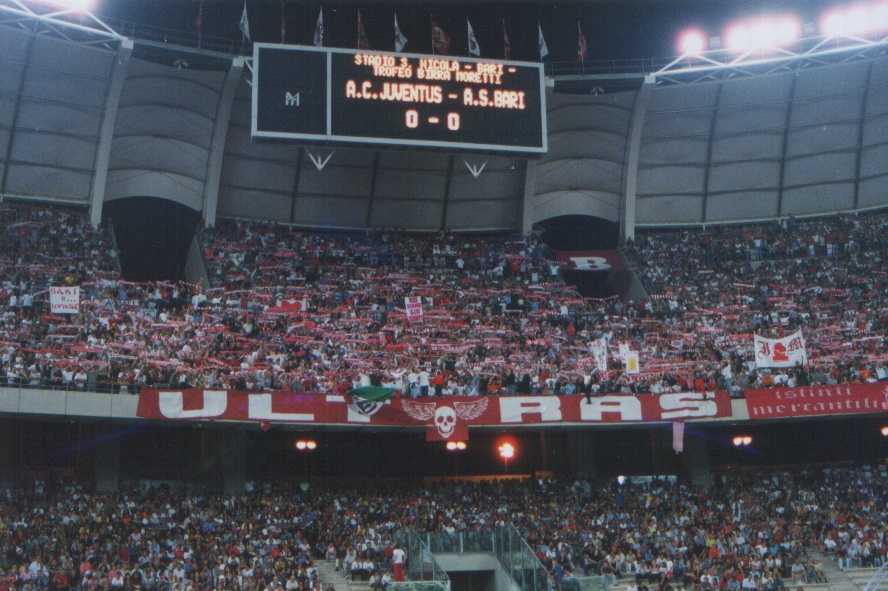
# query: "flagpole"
[199,23]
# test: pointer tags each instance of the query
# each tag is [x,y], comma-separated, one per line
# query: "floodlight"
[73,5]
[855,21]
[770,31]
[691,42]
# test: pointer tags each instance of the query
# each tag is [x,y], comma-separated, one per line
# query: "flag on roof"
[474,49]
[440,40]
[400,39]
[507,47]
[245,23]
[582,46]
[199,20]
[362,36]
[319,30]
[544,49]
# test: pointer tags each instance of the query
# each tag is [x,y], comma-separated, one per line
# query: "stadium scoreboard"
[371,97]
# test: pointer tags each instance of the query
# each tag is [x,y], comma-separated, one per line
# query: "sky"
[615,29]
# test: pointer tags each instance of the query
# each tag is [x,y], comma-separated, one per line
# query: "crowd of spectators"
[324,311]
[747,532]
[712,289]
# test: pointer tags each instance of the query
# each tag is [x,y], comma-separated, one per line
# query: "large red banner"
[774,403]
[449,416]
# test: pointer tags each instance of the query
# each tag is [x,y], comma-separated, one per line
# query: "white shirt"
[398,556]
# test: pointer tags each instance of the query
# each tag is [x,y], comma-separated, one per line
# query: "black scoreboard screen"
[371,97]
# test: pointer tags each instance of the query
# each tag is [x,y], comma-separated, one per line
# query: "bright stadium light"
[72,5]
[763,33]
[691,42]
[858,20]
[884,431]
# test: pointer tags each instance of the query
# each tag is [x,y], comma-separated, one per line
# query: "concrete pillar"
[235,466]
[108,459]
[217,148]
[633,149]
[106,134]
[527,213]
[7,437]
[584,455]
[695,459]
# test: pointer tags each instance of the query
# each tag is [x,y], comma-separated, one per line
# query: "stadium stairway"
[838,580]
[862,576]
[329,574]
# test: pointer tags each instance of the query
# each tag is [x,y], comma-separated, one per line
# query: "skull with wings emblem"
[445,417]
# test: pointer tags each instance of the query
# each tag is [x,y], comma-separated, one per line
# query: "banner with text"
[772,403]
[590,260]
[413,307]
[786,352]
[64,300]
[449,416]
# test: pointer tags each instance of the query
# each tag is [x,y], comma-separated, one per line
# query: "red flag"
[440,40]
[199,20]
[283,25]
[362,36]
[507,48]
[582,46]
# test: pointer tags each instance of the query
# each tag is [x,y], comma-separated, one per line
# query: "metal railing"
[522,564]
[421,564]
[878,578]
[508,546]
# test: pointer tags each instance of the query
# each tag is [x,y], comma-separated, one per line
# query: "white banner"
[624,352]
[599,353]
[413,305]
[786,352]
[64,300]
